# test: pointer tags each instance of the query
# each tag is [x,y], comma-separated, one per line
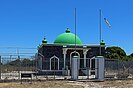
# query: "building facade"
[58,56]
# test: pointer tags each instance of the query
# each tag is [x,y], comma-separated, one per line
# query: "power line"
[16,48]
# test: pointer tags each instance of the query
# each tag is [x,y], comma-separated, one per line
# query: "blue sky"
[24,23]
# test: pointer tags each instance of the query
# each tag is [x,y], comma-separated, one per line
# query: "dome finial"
[67,30]
[44,41]
[102,42]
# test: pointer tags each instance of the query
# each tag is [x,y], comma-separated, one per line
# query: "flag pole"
[100,29]
[75,29]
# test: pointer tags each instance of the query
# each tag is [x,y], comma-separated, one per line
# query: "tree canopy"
[115,53]
[24,62]
[131,55]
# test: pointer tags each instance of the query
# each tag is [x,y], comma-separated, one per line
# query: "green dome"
[67,38]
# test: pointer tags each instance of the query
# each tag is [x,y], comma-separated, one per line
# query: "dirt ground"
[70,84]
[46,84]
[117,84]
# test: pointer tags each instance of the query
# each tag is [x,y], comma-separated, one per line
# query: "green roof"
[67,38]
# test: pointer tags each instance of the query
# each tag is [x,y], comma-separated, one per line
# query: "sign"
[26,75]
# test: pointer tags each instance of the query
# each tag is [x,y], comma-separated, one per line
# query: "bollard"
[100,67]
[75,67]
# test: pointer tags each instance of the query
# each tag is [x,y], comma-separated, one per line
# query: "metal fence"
[13,64]
[14,61]
[114,69]
[118,69]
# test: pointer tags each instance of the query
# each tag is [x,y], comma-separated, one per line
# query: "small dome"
[102,43]
[44,41]
[67,38]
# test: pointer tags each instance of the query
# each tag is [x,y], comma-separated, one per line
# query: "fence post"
[118,68]
[36,64]
[0,67]
[19,71]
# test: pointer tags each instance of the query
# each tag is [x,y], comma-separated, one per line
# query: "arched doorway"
[73,54]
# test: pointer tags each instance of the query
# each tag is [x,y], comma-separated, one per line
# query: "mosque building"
[57,56]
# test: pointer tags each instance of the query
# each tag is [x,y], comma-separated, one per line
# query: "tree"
[27,62]
[115,53]
[14,63]
[131,55]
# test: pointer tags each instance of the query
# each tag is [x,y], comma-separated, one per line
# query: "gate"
[89,71]
[94,68]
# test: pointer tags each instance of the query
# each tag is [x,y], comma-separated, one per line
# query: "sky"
[24,23]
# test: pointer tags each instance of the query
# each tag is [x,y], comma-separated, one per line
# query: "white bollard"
[100,67]
[75,67]
[96,67]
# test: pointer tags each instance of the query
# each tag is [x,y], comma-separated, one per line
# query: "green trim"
[99,56]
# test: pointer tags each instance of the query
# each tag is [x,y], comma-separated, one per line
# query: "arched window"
[54,63]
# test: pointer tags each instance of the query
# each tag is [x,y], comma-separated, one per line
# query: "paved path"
[96,85]
[86,84]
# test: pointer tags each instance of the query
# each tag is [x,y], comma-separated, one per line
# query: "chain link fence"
[118,69]
[12,66]
[15,61]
